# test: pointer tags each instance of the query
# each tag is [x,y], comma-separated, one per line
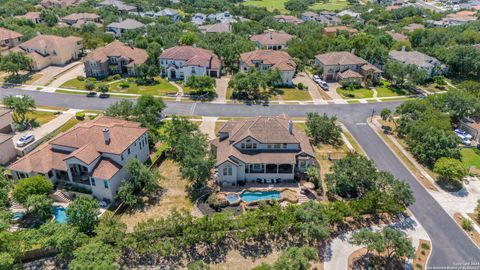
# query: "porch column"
[293,168]
[69,172]
[278,166]
[264,168]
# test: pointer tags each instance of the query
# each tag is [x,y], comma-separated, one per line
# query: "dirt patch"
[174,196]
[473,234]
[235,261]
[421,255]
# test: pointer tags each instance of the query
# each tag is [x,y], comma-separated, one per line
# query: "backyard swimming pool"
[251,196]
[60,214]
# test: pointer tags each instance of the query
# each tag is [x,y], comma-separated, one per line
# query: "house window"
[227,170]
[243,146]
[269,146]
[93,181]
[105,184]
[284,145]
[276,146]
[50,174]
[129,150]
[121,156]
[302,164]
[250,145]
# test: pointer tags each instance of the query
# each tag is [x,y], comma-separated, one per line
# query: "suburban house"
[118,28]
[346,67]
[60,3]
[47,50]
[329,18]
[350,13]
[32,16]
[287,19]
[262,150]
[333,30]
[221,17]
[397,36]
[459,18]
[198,18]
[7,148]
[119,5]
[216,28]
[422,61]
[272,40]
[264,60]
[78,19]
[180,62]
[413,26]
[115,58]
[169,13]
[91,155]
[9,38]
[472,126]
[309,16]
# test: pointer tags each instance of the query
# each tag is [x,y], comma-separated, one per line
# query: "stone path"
[180,91]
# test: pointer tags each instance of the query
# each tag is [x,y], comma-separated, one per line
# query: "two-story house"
[264,60]
[78,19]
[121,6]
[431,65]
[47,50]
[9,38]
[346,66]
[91,155]
[287,19]
[7,148]
[264,150]
[115,58]
[272,40]
[118,28]
[181,62]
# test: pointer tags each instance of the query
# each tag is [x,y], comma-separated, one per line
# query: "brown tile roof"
[265,130]
[193,56]
[6,34]
[392,7]
[61,3]
[127,24]
[339,59]
[216,28]
[87,138]
[466,13]
[105,169]
[81,16]
[347,74]
[118,49]
[5,137]
[413,26]
[460,17]
[272,38]
[4,111]
[29,15]
[369,66]
[334,29]
[49,41]
[278,59]
[397,36]
[288,19]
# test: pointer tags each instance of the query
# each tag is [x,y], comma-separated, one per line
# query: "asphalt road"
[450,244]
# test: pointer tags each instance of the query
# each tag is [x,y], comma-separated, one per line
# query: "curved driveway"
[451,246]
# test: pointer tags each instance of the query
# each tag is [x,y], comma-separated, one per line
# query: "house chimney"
[271,35]
[290,126]
[403,48]
[353,51]
[194,45]
[106,135]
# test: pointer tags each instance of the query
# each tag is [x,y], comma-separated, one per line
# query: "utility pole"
[371,117]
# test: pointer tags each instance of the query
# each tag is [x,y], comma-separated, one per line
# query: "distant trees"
[323,129]
[404,75]
[49,17]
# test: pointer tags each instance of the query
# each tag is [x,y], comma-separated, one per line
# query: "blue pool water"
[60,214]
[251,196]
[232,198]
[17,216]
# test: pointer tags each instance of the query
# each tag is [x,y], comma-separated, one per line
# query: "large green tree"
[323,129]
[21,106]
[82,213]
[450,169]
[14,62]
[94,255]
[35,185]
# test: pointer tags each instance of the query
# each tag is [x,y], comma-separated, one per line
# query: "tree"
[21,106]
[296,258]
[323,129]
[122,109]
[35,185]
[198,265]
[6,261]
[102,88]
[386,114]
[201,84]
[141,182]
[5,186]
[246,85]
[40,206]
[450,169]
[49,17]
[388,241]
[434,145]
[82,213]
[126,193]
[62,237]
[110,230]
[146,73]
[14,62]
[89,85]
[147,110]
[94,255]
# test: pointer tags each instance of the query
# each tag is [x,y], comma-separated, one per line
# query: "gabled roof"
[216,28]
[127,24]
[334,29]
[193,56]
[105,169]
[278,59]
[349,74]
[6,34]
[339,58]
[81,16]
[118,49]
[272,38]
[29,15]
[50,42]
[86,154]
[414,58]
[397,36]
[288,19]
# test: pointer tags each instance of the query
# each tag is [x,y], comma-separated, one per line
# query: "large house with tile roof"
[264,60]
[7,148]
[115,58]
[91,155]
[47,50]
[181,62]
[263,149]
[33,16]
[9,38]
[61,3]
[272,40]
[118,28]
[431,65]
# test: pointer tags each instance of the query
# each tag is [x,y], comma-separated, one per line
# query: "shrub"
[80,116]
[109,78]
[215,203]
[116,77]
[467,224]
[124,85]
[300,86]
[35,185]
[425,246]
[80,189]
[81,78]
[130,80]
[419,266]
[91,79]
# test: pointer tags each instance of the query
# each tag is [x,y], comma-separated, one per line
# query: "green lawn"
[41,117]
[470,157]
[280,4]
[387,90]
[162,87]
[331,5]
[357,93]
[292,94]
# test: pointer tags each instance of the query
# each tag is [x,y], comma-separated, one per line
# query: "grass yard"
[357,93]
[291,94]
[331,5]
[34,78]
[471,157]
[174,196]
[387,90]
[74,84]
[269,4]
[41,117]
[229,93]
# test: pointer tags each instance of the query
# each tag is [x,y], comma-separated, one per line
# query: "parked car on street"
[24,140]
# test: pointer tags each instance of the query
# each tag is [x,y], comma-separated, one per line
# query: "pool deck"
[266,187]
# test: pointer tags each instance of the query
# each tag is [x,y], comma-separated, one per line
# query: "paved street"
[450,243]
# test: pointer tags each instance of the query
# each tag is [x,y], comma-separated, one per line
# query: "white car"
[316,77]
[462,134]
[466,142]
[24,140]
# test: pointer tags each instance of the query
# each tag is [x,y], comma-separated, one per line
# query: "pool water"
[251,196]
[232,198]
[60,214]
[17,216]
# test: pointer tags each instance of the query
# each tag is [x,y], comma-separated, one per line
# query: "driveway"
[311,86]
[50,73]
[221,89]
[69,75]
